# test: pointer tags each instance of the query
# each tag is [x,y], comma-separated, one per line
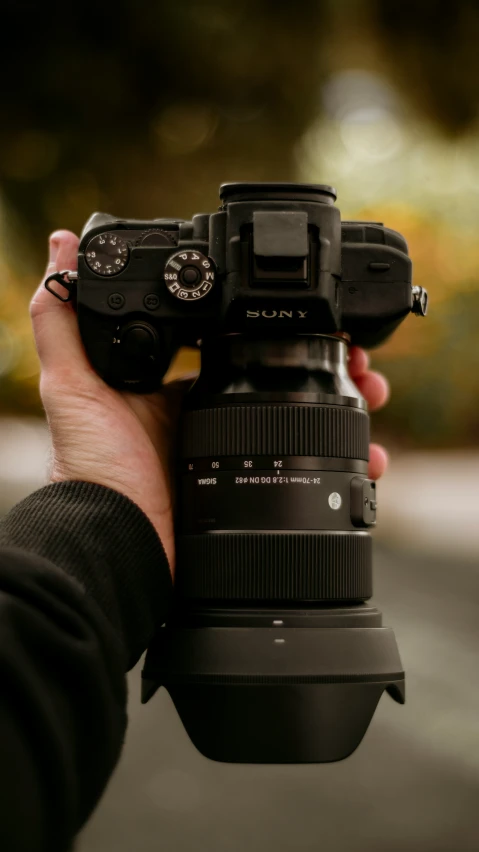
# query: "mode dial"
[189,275]
[107,254]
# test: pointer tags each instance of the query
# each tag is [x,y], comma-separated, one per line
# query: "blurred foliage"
[436,391]
[430,50]
[142,108]
[140,105]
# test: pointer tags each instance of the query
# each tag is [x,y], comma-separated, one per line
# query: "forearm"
[83,583]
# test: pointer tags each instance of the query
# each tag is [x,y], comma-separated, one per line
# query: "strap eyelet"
[67,279]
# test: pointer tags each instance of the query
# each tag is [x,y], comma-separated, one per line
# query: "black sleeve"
[84,581]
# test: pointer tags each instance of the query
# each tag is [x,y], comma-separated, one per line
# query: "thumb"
[55,325]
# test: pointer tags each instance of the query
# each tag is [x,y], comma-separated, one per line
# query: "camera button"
[151,301]
[190,276]
[379,267]
[116,301]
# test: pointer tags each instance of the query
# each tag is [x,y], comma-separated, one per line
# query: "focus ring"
[286,430]
[275,566]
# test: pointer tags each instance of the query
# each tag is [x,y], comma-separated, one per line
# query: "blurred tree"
[436,392]
[143,107]
[140,108]
[430,50]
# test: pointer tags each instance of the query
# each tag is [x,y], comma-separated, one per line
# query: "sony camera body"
[262,266]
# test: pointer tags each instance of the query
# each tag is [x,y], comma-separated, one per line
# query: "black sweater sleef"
[84,582]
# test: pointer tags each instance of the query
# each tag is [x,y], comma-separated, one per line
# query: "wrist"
[160,517]
[101,539]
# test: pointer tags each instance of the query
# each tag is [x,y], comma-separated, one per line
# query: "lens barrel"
[272,654]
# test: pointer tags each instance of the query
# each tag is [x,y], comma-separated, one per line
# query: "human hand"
[121,440]
[375,389]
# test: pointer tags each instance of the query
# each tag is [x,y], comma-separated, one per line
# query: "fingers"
[375,389]
[378,461]
[358,361]
[55,325]
[373,386]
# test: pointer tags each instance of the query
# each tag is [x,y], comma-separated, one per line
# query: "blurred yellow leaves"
[445,257]
[186,364]
[445,261]
[19,367]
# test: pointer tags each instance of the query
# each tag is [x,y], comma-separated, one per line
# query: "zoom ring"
[292,430]
[276,566]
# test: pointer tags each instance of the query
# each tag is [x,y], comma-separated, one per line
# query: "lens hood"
[276,687]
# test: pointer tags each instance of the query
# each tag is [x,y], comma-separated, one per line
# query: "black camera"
[271,653]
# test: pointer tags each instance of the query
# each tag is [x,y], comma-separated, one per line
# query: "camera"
[272,652]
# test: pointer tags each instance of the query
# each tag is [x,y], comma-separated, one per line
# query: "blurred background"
[142,108]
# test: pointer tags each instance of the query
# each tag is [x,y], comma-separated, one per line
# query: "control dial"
[107,254]
[156,238]
[189,275]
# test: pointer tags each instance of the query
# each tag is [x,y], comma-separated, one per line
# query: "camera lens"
[267,483]
[273,654]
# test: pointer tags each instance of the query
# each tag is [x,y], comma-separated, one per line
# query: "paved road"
[412,785]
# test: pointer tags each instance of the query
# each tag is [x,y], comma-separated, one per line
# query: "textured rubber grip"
[275,566]
[287,430]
